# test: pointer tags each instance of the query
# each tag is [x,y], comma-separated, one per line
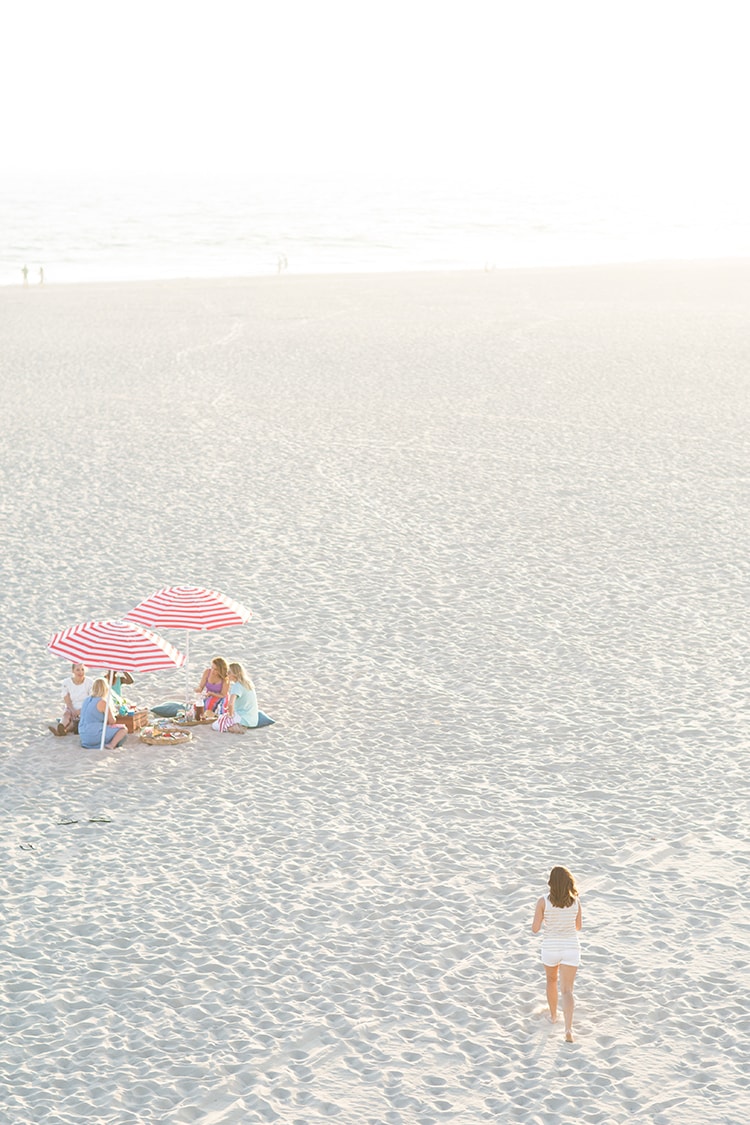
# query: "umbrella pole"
[187,669]
[106,712]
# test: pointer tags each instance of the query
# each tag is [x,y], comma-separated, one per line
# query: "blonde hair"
[562,887]
[100,687]
[221,666]
[241,675]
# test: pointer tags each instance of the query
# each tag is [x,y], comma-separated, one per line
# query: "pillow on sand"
[263,720]
[167,710]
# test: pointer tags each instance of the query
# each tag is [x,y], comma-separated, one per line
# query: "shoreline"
[341,276]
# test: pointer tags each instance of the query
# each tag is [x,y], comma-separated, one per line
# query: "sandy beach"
[493,530]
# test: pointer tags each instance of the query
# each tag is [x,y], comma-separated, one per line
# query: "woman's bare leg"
[551,972]
[567,979]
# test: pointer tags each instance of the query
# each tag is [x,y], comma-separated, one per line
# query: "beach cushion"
[167,710]
[263,720]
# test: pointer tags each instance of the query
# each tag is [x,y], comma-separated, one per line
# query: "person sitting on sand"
[215,685]
[94,713]
[241,710]
[117,680]
[76,688]
[560,914]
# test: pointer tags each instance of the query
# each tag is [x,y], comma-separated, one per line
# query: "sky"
[575,91]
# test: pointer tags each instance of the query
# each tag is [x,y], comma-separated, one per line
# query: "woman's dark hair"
[562,887]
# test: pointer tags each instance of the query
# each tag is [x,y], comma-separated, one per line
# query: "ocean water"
[106,229]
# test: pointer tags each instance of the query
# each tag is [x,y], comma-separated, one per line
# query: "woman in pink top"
[560,914]
[215,686]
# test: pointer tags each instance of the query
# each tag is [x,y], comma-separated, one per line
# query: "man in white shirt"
[75,689]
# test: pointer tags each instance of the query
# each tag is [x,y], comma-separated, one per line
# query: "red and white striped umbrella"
[116,644]
[191,608]
[188,607]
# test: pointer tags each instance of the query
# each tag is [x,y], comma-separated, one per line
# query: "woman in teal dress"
[117,682]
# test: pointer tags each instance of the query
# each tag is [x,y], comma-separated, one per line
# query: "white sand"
[493,528]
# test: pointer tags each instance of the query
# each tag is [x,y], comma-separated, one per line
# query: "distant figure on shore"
[41,275]
[241,712]
[560,914]
[281,263]
[215,686]
[94,714]
[25,272]
[75,688]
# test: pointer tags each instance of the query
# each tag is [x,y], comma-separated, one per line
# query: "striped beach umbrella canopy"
[115,644]
[188,607]
[192,608]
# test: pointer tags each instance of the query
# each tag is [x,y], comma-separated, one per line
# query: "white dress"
[560,944]
[77,692]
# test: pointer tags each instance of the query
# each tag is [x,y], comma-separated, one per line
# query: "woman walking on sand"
[560,914]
